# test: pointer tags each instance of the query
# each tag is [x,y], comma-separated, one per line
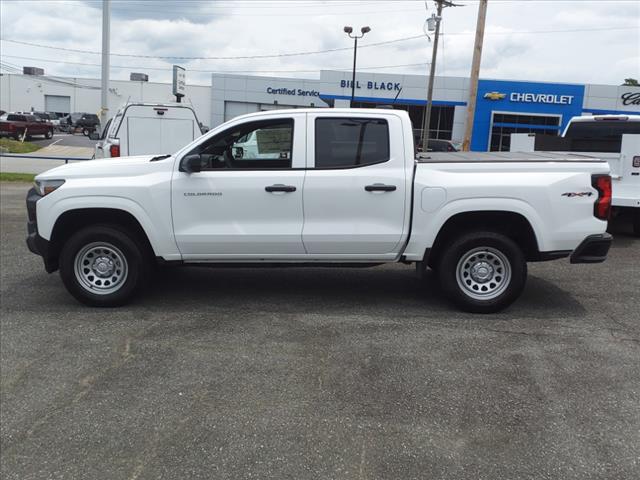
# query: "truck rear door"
[143,136]
[158,129]
[355,189]
[176,133]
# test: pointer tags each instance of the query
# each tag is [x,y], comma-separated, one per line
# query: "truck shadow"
[391,291]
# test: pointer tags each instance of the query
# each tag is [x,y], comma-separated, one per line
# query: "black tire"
[86,132]
[116,243]
[49,134]
[496,264]
[635,220]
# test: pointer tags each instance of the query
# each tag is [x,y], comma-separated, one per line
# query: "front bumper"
[35,242]
[593,249]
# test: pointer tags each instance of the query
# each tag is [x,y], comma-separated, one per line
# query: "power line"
[15,69]
[168,67]
[330,50]
[246,57]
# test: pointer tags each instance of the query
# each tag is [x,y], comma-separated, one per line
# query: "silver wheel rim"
[100,268]
[483,273]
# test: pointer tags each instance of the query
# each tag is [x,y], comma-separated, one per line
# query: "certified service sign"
[179,81]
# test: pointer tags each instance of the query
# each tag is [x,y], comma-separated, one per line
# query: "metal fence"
[39,157]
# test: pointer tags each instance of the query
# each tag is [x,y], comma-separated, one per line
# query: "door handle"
[380,187]
[280,188]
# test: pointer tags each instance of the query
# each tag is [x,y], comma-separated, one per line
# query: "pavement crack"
[363,450]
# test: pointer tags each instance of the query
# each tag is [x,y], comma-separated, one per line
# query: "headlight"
[44,187]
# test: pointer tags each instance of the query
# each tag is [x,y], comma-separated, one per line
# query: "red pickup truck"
[17,124]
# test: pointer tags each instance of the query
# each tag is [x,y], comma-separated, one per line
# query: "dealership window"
[256,145]
[440,126]
[504,124]
[351,142]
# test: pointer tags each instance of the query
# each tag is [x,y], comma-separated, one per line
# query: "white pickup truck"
[323,187]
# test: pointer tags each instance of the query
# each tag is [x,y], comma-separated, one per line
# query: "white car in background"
[146,129]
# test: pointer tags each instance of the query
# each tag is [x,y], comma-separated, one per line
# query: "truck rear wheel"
[483,272]
[49,134]
[101,266]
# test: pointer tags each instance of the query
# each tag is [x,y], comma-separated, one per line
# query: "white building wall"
[26,92]
[609,97]
[233,95]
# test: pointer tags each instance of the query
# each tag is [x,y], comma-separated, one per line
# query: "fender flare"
[46,222]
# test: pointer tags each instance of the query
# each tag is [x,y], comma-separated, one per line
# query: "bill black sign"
[393,86]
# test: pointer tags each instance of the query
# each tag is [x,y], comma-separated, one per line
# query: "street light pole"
[349,30]
[353,76]
[106,34]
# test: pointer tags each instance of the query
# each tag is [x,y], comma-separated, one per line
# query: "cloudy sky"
[553,40]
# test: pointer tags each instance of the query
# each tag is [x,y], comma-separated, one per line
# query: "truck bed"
[466,157]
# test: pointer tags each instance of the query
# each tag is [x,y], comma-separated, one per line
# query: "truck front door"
[355,192]
[243,204]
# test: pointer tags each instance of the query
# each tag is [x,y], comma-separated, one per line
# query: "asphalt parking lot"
[65,140]
[318,373]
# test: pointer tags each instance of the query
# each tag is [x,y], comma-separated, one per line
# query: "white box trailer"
[148,128]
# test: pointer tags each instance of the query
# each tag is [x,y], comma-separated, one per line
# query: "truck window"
[351,142]
[255,145]
[105,129]
[115,125]
[599,136]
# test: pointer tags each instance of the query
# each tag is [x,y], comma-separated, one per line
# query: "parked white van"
[147,128]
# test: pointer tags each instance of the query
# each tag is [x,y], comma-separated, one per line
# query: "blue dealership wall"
[522,98]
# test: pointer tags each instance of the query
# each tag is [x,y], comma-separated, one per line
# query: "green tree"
[632,82]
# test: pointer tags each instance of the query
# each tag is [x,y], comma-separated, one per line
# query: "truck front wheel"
[483,272]
[101,266]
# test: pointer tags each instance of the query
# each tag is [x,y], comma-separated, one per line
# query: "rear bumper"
[593,249]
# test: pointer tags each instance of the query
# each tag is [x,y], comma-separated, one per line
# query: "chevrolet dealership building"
[502,106]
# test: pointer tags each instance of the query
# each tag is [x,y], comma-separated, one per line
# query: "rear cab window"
[115,124]
[599,135]
[350,142]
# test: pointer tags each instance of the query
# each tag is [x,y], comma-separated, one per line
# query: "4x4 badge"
[577,194]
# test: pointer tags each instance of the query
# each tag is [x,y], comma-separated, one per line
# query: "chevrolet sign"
[495,95]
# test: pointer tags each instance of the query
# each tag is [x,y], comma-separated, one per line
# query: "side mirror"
[191,163]
[94,135]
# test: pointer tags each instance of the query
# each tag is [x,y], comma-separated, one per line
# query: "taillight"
[114,150]
[602,207]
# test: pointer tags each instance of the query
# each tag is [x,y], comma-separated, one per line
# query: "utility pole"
[106,34]
[426,119]
[475,74]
